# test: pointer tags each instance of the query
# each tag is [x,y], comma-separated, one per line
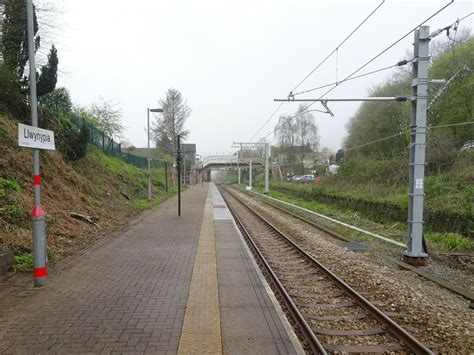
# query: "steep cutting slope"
[99,186]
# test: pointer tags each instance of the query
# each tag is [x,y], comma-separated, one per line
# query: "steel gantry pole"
[238,163]
[250,173]
[415,252]
[267,168]
[37,214]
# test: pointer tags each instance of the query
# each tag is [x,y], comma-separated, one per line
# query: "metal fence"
[103,142]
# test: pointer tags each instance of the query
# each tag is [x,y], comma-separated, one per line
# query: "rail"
[390,326]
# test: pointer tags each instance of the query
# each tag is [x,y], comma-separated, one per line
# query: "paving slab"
[165,285]
[128,295]
[250,322]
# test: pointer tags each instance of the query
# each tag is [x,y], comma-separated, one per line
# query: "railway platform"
[166,284]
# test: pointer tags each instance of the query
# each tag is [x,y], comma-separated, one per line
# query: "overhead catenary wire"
[379,54]
[408,131]
[400,63]
[316,68]
[266,122]
[337,48]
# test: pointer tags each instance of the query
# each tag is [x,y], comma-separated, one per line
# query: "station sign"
[34,137]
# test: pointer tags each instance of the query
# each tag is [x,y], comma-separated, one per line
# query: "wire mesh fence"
[103,142]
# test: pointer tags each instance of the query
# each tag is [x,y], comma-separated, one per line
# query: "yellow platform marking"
[201,333]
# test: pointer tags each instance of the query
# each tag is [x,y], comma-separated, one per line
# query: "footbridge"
[226,162]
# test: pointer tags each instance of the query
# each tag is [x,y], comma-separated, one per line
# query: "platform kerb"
[250,322]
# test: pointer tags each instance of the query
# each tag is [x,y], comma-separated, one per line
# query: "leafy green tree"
[49,74]
[449,104]
[59,97]
[170,124]
[454,102]
[15,46]
[375,120]
[15,40]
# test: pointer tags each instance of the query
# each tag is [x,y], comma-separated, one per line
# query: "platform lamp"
[148,110]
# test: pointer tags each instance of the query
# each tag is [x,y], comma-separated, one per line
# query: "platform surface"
[167,284]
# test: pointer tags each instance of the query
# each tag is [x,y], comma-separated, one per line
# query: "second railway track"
[327,313]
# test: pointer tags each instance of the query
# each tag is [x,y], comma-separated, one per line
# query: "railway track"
[329,315]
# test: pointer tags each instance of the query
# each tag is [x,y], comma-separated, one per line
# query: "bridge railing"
[228,160]
[219,159]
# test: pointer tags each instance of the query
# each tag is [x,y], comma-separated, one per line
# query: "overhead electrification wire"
[266,122]
[338,46]
[465,17]
[403,62]
[321,63]
[379,54]
[408,131]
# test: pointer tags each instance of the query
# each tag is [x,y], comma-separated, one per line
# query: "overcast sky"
[230,58]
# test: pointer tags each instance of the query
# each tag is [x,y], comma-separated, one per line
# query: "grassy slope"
[452,190]
[97,185]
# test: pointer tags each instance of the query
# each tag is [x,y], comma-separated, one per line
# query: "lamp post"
[148,110]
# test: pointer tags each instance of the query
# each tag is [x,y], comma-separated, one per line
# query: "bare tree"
[171,123]
[286,131]
[107,117]
[307,130]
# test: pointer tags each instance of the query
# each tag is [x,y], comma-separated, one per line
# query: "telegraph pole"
[37,214]
[415,253]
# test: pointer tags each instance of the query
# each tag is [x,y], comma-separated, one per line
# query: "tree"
[107,118]
[171,123]
[375,120]
[104,117]
[49,74]
[385,124]
[15,46]
[307,131]
[286,131]
[15,40]
[59,97]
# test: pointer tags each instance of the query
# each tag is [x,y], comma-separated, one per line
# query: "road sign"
[34,137]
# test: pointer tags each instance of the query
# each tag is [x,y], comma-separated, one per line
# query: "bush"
[385,171]
[23,262]
[70,140]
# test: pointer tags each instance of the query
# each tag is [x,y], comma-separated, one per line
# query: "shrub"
[23,262]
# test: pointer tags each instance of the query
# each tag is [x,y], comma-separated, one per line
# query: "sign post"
[37,139]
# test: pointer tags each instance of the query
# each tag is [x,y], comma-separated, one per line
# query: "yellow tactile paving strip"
[201,333]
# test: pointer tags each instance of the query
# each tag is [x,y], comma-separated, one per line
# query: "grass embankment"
[381,224]
[100,186]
